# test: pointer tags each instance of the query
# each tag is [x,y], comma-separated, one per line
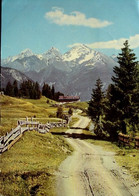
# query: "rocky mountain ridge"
[73,73]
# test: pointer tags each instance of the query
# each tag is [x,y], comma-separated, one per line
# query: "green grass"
[58,130]
[43,102]
[127,158]
[78,105]
[28,167]
[12,109]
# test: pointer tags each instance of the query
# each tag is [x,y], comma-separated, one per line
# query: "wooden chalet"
[69,98]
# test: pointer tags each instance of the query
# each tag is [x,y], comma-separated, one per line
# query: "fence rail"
[126,140]
[25,125]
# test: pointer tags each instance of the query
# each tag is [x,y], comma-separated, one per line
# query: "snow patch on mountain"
[74,72]
[82,54]
[52,53]
[25,53]
[87,57]
[15,75]
[39,56]
[76,52]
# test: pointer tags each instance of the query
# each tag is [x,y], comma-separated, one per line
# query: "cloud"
[58,17]
[76,44]
[114,44]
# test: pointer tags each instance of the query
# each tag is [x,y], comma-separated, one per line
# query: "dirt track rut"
[91,170]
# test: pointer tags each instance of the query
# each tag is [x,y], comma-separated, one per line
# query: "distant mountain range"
[73,73]
[10,75]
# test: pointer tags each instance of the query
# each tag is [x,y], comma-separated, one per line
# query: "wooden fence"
[126,140]
[25,125]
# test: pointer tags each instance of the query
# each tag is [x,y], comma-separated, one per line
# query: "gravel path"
[91,170]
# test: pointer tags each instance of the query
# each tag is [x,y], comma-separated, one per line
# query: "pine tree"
[70,111]
[37,91]
[24,89]
[57,94]
[53,92]
[59,113]
[46,91]
[95,109]
[122,105]
[29,89]
[9,89]
[15,89]
[110,120]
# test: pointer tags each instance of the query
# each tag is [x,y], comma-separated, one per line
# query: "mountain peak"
[52,53]
[83,46]
[54,49]
[78,51]
[27,52]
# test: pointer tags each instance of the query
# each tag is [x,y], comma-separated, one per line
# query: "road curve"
[90,170]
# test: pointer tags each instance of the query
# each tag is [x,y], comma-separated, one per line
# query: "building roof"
[61,98]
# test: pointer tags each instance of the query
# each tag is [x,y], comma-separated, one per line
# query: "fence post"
[20,130]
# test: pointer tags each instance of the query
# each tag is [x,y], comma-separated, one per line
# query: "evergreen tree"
[122,98]
[110,121]
[46,91]
[57,94]
[95,109]
[29,89]
[9,89]
[134,121]
[53,92]
[15,89]
[37,91]
[24,88]
[70,112]
[59,113]
[50,93]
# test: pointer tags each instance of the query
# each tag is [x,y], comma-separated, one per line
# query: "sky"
[39,25]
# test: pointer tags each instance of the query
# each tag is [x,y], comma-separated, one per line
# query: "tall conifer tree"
[15,89]
[122,108]
[9,89]
[95,109]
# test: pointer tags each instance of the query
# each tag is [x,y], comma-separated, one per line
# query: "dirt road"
[92,171]
[79,125]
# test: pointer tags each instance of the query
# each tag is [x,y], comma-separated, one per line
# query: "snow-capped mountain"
[25,61]
[52,54]
[79,54]
[24,53]
[74,72]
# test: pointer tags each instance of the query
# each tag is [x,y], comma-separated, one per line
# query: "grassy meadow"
[28,167]
[78,105]
[13,109]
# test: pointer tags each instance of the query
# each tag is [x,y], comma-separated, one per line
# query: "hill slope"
[12,109]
